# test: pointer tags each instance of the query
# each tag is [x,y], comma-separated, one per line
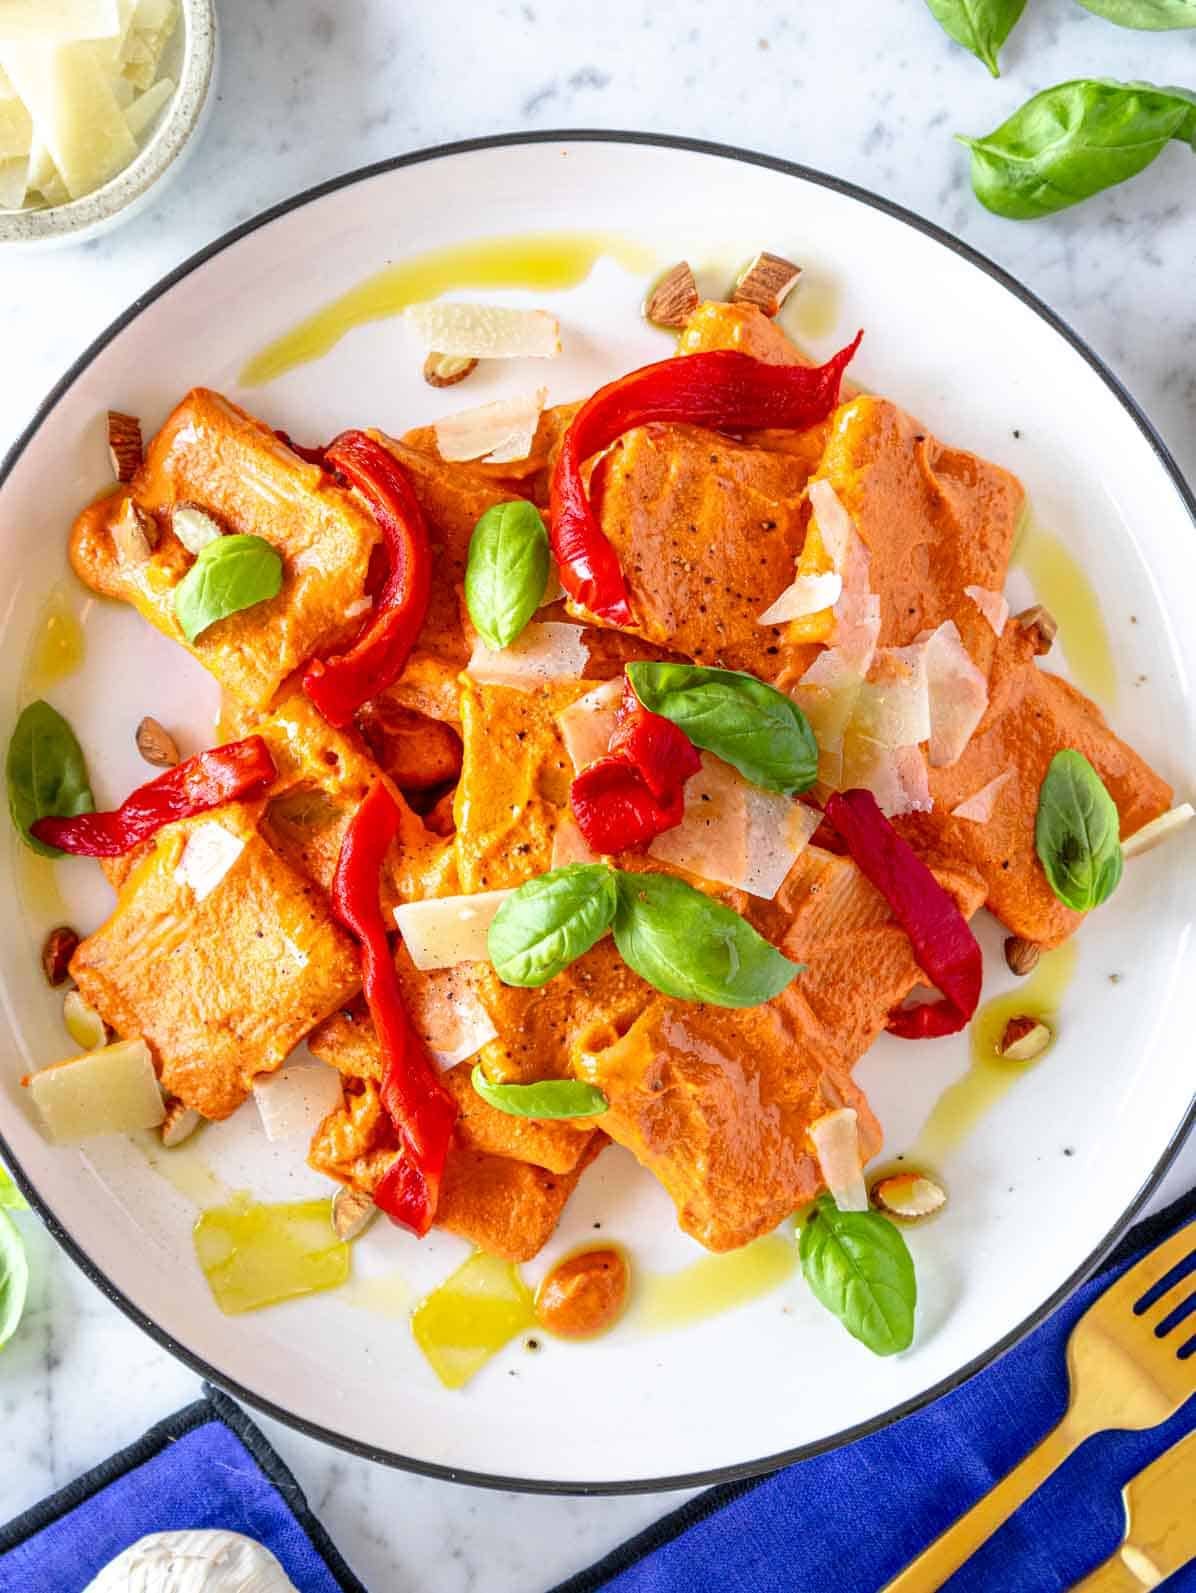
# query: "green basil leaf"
[1152,16]
[1077,832]
[230,574]
[858,1266]
[737,717]
[14,1278]
[10,1195]
[507,572]
[550,922]
[549,1098]
[688,945]
[1074,140]
[47,773]
[981,26]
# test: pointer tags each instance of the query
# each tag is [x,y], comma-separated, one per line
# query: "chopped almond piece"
[124,444]
[1024,1039]
[179,1124]
[1021,955]
[1041,624]
[156,745]
[908,1196]
[446,370]
[1157,830]
[57,952]
[766,283]
[674,298]
[194,527]
[352,1212]
[134,534]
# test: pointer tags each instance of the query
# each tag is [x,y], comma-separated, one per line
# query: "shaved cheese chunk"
[143,112]
[548,651]
[827,694]
[484,331]
[445,930]
[495,433]
[446,1012]
[893,706]
[735,834]
[296,1099]
[978,808]
[569,845]
[857,627]
[586,725]
[991,604]
[58,21]
[14,181]
[836,1140]
[834,522]
[806,594]
[958,695]
[70,99]
[1157,830]
[210,852]
[111,1091]
[16,128]
[896,776]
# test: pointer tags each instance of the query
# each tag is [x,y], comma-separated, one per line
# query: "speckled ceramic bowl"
[191,61]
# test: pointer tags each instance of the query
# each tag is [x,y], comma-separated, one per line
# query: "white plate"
[1052,1173]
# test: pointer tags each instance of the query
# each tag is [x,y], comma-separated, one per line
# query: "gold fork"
[1122,1374]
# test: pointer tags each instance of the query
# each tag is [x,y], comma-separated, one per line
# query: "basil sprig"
[753,726]
[981,26]
[858,1266]
[692,947]
[550,922]
[1074,140]
[1077,832]
[230,574]
[14,1278]
[681,941]
[46,773]
[548,1098]
[1152,16]
[506,574]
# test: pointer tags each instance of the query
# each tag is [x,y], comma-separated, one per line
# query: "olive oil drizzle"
[961,1105]
[545,261]
[1061,584]
[666,1301]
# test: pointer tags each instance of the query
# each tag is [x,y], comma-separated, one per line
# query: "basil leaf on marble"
[690,946]
[548,1098]
[753,726]
[46,773]
[1151,16]
[229,575]
[551,921]
[14,1278]
[981,26]
[1077,833]
[858,1266]
[506,575]
[1073,140]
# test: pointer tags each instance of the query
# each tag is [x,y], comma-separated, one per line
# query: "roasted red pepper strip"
[944,946]
[419,1106]
[724,390]
[624,801]
[206,781]
[338,686]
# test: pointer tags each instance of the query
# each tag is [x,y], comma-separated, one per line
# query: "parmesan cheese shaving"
[896,776]
[210,852]
[587,724]
[547,651]
[978,808]
[445,930]
[735,834]
[484,331]
[445,1009]
[958,695]
[991,604]
[495,433]
[296,1099]
[806,594]
[836,1140]
[834,522]
[893,706]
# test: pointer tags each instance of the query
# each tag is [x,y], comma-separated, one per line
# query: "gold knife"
[1160,1525]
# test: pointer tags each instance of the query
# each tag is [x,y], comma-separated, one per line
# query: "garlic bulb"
[200,1561]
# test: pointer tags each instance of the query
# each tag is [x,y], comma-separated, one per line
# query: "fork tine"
[1176,1315]
[1133,1285]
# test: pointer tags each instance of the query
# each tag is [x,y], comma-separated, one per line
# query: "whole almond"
[1021,955]
[446,370]
[674,298]
[1042,626]
[156,745]
[57,952]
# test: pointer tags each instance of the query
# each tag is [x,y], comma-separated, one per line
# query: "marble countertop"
[307,89]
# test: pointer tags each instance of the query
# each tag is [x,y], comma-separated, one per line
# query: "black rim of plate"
[740,1469]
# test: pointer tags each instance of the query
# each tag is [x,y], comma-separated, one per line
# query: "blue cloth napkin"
[207,1466]
[849,1520]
